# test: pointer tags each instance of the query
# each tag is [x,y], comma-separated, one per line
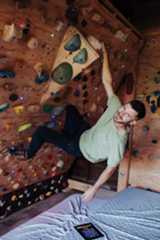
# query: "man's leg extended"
[74,122]
[44,134]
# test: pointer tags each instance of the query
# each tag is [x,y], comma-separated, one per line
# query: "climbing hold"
[43,77]
[9,86]
[73,44]
[7,74]
[24,127]
[135,152]
[121,36]
[77,93]
[85,94]
[33,108]
[59,26]
[146,129]
[63,73]
[7,126]
[32,43]
[78,77]
[97,18]
[56,111]
[4,106]
[19,109]
[154,141]
[48,194]
[93,107]
[16,186]
[47,108]
[81,57]
[95,43]
[13,97]
[157,78]
[51,124]
[9,32]
[60,164]
[72,13]
[29,139]
[1,171]
[84,23]
[13,198]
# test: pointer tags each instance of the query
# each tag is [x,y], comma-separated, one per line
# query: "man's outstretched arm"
[106,74]
[105,175]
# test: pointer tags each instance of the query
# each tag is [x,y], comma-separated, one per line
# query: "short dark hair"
[139,107]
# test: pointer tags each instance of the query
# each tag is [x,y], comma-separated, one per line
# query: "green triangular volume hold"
[81,57]
[63,73]
[73,44]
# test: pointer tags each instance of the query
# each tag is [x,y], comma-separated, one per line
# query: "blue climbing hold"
[44,77]
[7,74]
[81,57]
[4,107]
[73,44]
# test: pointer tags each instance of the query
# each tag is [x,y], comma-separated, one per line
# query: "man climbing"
[106,140]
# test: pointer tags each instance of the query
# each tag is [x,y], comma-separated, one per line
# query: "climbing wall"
[145,159]
[31,33]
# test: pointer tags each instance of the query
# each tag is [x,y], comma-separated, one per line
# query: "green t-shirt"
[103,141]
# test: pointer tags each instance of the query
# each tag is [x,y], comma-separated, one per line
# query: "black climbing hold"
[7,74]
[85,94]
[73,44]
[84,86]
[93,72]
[77,93]
[72,13]
[63,73]
[78,77]
[85,78]
[84,23]
[13,97]
[154,141]
[135,152]
[153,108]
[44,77]
[81,57]
[23,3]
[57,99]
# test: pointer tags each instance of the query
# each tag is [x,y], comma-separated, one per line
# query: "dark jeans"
[68,139]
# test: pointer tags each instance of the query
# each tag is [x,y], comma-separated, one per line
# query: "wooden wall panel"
[48,24]
[144,170]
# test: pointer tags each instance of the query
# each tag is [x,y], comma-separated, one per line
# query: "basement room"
[79,120]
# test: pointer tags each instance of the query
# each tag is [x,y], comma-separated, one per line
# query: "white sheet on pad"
[133,214]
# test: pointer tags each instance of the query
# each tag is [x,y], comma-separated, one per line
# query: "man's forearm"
[106,74]
[105,175]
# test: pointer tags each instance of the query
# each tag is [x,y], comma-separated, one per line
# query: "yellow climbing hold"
[48,194]
[19,109]
[29,139]
[14,198]
[16,186]
[24,127]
